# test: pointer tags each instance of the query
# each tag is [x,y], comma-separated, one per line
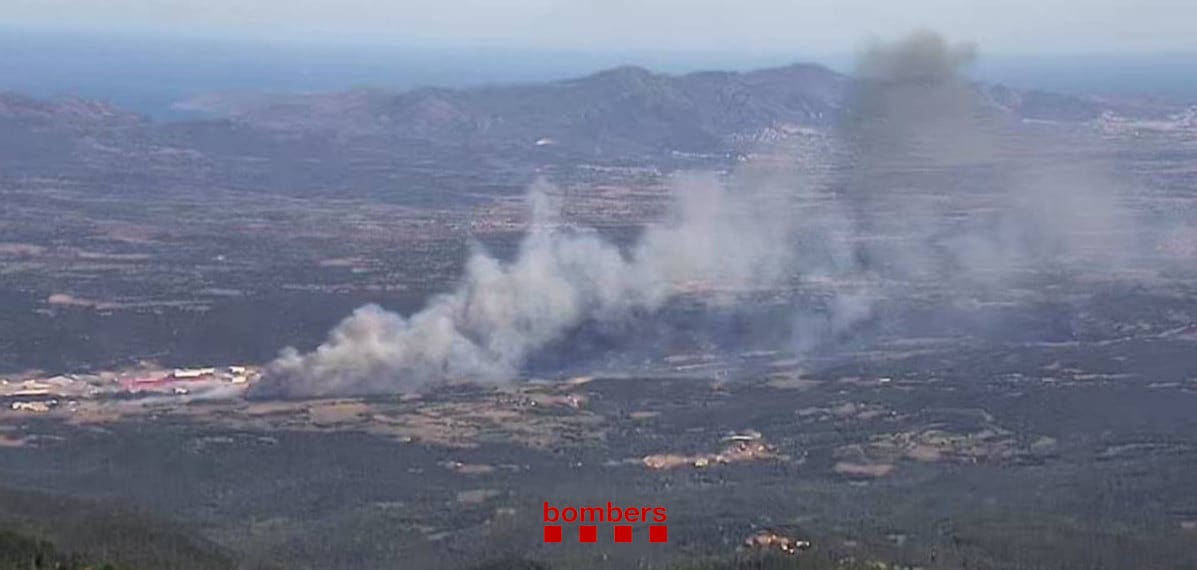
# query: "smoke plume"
[561,276]
[954,191]
[927,186]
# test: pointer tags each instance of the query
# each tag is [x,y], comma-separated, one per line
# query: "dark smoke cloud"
[924,56]
[926,187]
[911,103]
[958,190]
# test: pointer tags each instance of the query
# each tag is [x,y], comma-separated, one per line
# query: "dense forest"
[39,530]
[755,561]
[19,552]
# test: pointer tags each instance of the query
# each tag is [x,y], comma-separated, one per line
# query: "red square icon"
[658,533]
[623,533]
[552,533]
[588,533]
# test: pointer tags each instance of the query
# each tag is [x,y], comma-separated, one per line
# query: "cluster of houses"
[775,540]
[36,406]
[174,378]
[748,446]
[42,395]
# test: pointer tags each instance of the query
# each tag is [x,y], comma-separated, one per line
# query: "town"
[41,394]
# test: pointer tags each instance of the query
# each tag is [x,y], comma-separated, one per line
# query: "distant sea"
[150,74]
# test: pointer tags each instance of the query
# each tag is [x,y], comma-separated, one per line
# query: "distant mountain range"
[628,109]
[625,113]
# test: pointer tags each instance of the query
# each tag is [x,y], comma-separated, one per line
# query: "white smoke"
[561,276]
[934,192]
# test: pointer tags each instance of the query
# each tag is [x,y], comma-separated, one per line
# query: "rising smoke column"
[935,192]
[502,311]
[960,190]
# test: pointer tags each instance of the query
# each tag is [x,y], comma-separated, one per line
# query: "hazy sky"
[711,25]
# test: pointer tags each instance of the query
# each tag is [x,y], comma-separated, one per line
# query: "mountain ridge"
[631,109]
[626,114]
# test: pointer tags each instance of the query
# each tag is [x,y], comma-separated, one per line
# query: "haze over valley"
[890,311]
